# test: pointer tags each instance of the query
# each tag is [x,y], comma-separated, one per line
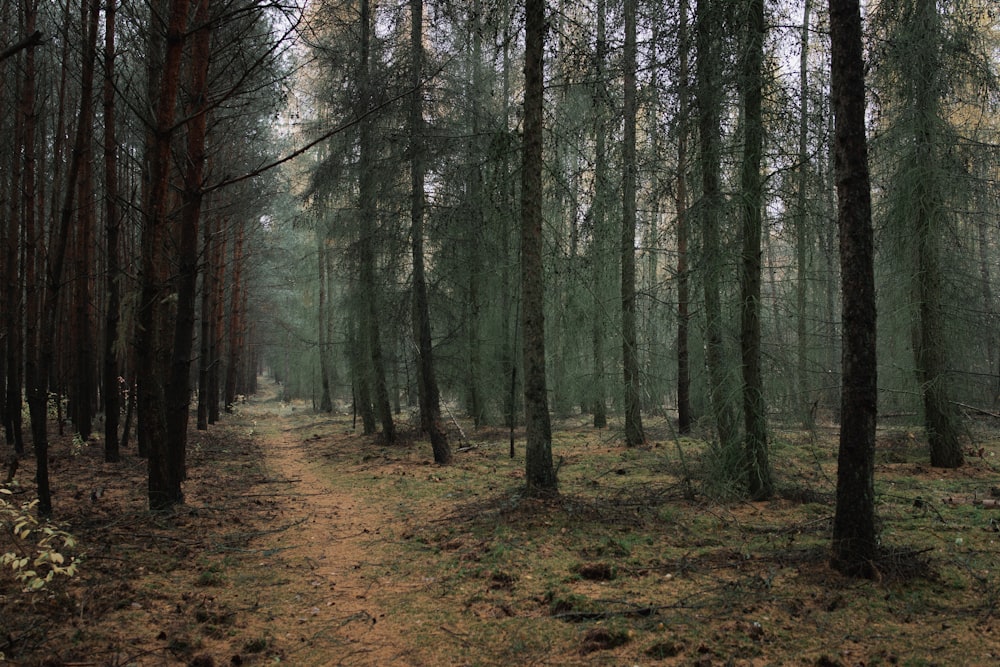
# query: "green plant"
[35,554]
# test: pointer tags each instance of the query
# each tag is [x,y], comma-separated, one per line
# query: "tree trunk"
[178,392]
[236,323]
[34,289]
[430,409]
[540,473]
[205,332]
[707,75]
[325,400]
[217,332]
[112,213]
[931,350]
[855,543]
[803,390]
[154,341]
[758,468]
[630,355]
[599,214]
[367,196]
[683,294]
[39,384]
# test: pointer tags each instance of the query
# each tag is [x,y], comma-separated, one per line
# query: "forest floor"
[304,543]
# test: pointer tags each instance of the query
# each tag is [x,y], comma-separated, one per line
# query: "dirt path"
[322,607]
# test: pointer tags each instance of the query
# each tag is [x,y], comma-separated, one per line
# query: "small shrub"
[34,549]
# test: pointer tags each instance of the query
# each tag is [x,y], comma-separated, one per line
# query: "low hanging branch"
[34,39]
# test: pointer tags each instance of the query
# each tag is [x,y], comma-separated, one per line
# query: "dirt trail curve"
[320,607]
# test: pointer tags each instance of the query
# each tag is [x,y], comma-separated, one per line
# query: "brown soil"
[303,543]
[264,563]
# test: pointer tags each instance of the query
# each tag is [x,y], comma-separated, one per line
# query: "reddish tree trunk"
[178,394]
[154,344]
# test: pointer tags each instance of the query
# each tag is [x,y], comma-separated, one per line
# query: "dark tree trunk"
[178,393]
[599,214]
[802,404]
[154,339]
[366,244]
[430,408]
[43,365]
[112,215]
[207,315]
[541,475]
[932,348]
[683,279]
[758,468]
[325,400]
[218,324]
[630,354]
[710,212]
[236,324]
[34,289]
[855,544]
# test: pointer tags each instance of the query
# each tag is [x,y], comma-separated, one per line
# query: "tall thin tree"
[630,355]
[541,475]
[430,408]
[757,465]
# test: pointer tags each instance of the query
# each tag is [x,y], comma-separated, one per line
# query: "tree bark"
[683,278]
[630,357]
[707,93]
[540,473]
[236,326]
[83,391]
[367,196]
[855,544]
[207,315]
[430,408]
[178,392]
[757,466]
[38,393]
[112,218]
[325,400]
[931,350]
[165,477]
[601,234]
[803,389]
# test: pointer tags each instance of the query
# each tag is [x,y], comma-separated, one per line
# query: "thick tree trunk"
[80,336]
[855,544]
[540,473]
[154,340]
[178,392]
[757,467]
[630,354]
[430,409]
